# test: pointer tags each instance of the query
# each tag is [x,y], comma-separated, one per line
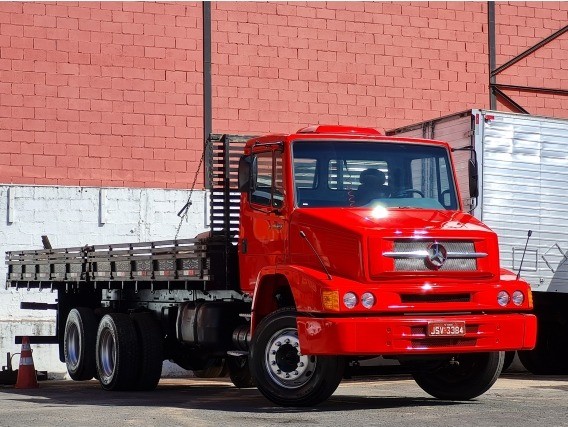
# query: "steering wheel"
[407,192]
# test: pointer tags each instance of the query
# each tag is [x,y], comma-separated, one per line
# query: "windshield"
[352,174]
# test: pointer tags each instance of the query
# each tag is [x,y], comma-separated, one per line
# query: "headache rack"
[224,152]
[207,264]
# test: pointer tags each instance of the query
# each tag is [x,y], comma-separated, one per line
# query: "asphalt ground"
[515,400]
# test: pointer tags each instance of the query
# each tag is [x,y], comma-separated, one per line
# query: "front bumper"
[404,335]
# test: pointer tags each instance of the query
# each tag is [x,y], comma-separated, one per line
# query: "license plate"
[446,329]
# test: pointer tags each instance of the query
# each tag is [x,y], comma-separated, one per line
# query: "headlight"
[350,300]
[518,298]
[503,298]
[368,300]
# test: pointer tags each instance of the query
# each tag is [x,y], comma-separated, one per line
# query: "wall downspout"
[492,55]
[207,91]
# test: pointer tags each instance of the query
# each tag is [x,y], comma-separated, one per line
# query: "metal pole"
[207,90]
[530,50]
[492,55]
[552,91]
[505,99]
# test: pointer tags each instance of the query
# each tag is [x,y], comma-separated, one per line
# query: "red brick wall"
[278,66]
[100,93]
[520,26]
[111,93]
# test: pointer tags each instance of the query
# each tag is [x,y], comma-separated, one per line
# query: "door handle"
[276,225]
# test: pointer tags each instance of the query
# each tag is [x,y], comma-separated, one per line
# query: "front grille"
[450,265]
[411,256]
[413,298]
[417,245]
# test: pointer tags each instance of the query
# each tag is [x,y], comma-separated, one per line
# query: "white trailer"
[523,185]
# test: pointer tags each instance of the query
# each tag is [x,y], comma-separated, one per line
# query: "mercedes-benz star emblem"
[437,256]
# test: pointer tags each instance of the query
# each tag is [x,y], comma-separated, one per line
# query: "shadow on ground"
[215,396]
[221,395]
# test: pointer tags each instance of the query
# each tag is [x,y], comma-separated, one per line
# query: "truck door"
[264,229]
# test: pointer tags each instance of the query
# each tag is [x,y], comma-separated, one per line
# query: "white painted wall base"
[75,216]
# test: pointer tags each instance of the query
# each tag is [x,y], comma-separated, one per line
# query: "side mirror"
[473,178]
[244,174]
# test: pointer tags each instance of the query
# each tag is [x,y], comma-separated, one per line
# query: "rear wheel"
[151,351]
[282,373]
[463,377]
[239,371]
[79,343]
[117,352]
[213,368]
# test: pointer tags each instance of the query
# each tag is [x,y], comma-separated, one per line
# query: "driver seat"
[372,186]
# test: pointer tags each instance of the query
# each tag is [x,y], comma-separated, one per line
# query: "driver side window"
[268,185]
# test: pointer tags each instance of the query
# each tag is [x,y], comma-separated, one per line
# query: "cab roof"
[337,132]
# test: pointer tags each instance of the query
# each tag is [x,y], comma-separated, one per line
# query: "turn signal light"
[330,300]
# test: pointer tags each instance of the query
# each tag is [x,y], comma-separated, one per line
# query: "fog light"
[368,300]
[350,300]
[518,298]
[503,298]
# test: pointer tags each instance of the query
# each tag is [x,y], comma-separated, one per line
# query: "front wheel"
[509,358]
[282,373]
[463,377]
[550,356]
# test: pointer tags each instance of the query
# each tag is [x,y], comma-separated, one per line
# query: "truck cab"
[356,244]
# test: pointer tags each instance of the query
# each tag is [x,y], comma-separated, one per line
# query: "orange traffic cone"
[26,372]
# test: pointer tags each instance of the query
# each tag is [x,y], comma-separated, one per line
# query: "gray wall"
[75,216]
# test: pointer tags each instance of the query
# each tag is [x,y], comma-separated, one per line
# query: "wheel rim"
[107,353]
[73,345]
[284,361]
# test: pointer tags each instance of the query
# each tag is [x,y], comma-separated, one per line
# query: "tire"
[509,357]
[79,343]
[117,352]
[101,311]
[474,374]
[282,373]
[550,355]
[239,371]
[151,351]
[214,368]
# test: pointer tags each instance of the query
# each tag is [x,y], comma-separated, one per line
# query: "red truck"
[327,246]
